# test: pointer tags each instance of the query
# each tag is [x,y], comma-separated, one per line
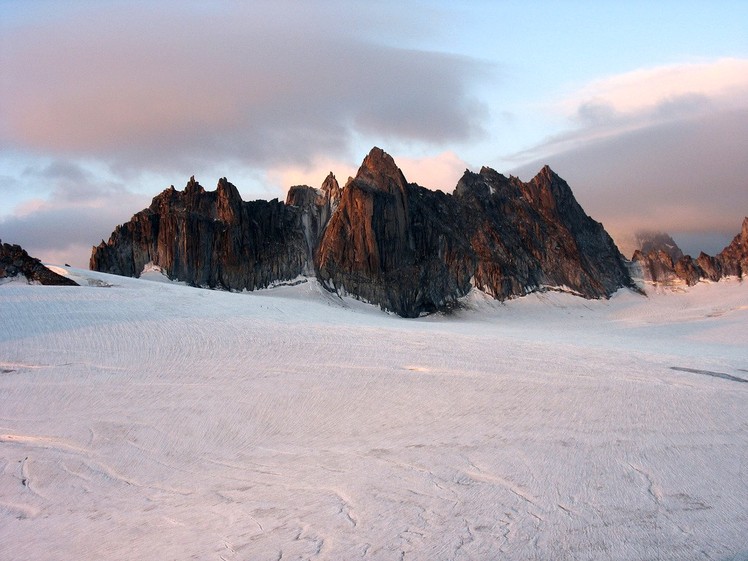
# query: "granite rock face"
[379,238]
[14,261]
[316,207]
[535,235]
[393,243]
[413,250]
[210,239]
[659,267]
[733,260]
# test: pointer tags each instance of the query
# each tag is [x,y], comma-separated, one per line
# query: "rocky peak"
[331,190]
[368,233]
[418,250]
[193,186]
[303,196]
[227,191]
[379,171]
[228,201]
[734,258]
[484,185]
[548,191]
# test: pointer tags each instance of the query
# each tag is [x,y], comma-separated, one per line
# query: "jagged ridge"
[393,243]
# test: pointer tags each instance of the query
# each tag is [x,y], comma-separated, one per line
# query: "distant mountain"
[657,265]
[14,262]
[649,240]
[379,238]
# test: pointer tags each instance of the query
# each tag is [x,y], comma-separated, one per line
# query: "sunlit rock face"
[733,260]
[209,238]
[413,250]
[396,244]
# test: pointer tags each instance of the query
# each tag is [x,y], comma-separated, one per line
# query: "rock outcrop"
[210,239]
[316,207]
[659,267]
[535,235]
[393,243]
[413,250]
[14,261]
[733,260]
[656,266]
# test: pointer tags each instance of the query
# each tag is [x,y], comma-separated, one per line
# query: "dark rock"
[687,269]
[711,268]
[413,250]
[394,244]
[656,266]
[535,235]
[15,261]
[734,258]
[211,239]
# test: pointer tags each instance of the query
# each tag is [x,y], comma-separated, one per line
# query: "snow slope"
[144,420]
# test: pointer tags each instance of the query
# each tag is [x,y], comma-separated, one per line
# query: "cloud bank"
[660,148]
[269,91]
[256,84]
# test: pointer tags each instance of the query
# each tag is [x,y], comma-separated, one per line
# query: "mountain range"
[409,249]
[660,260]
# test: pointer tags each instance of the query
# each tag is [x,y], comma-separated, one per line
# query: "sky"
[641,106]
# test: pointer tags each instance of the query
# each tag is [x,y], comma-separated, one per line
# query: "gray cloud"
[78,211]
[58,169]
[164,88]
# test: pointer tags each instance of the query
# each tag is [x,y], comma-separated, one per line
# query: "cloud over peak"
[144,88]
[660,148]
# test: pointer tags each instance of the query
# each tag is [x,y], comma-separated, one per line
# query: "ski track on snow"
[146,420]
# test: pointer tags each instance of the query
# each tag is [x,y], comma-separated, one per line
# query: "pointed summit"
[228,201]
[331,189]
[734,258]
[379,170]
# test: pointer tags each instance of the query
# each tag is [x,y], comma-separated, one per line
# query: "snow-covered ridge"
[158,421]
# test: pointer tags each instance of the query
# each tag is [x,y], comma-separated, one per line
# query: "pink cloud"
[149,86]
[724,80]
[442,171]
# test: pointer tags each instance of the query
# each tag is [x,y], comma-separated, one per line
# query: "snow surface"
[143,420]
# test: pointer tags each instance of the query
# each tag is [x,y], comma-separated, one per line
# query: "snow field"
[154,421]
